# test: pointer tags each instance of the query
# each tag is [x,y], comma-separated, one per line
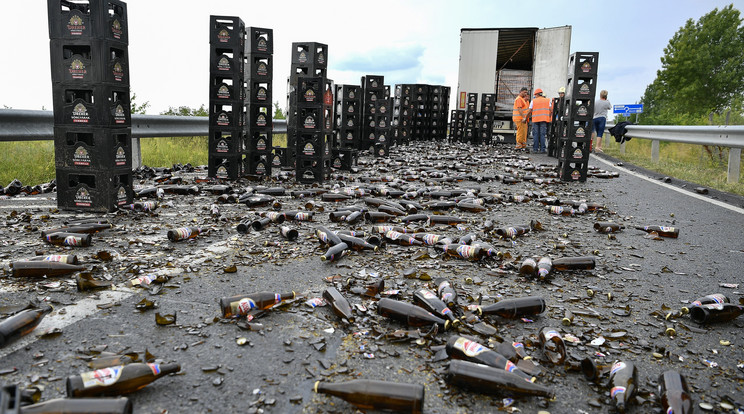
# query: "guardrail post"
[136,153]
[734,165]
[622,147]
[655,150]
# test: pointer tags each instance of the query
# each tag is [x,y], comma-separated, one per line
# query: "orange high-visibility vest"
[519,103]
[541,109]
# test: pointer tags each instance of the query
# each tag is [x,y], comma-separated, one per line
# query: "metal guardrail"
[730,136]
[27,125]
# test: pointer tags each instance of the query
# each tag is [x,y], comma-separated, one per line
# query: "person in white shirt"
[600,119]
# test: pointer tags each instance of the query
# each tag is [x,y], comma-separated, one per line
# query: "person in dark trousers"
[540,112]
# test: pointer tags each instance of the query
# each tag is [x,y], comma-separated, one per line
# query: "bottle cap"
[315,387]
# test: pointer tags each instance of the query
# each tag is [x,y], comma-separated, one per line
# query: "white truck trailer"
[504,60]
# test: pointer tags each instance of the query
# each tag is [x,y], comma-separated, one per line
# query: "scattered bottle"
[117,380]
[528,267]
[289,233]
[377,395]
[69,239]
[513,351]
[183,233]
[446,292]
[488,379]
[402,239]
[89,228]
[356,243]
[240,305]
[715,313]
[568,318]
[261,223]
[338,302]
[449,220]
[21,324]
[120,405]
[623,379]
[40,268]
[544,266]
[459,347]
[335,252]
[326,236]
[552,345]
[429,301]
[462,251]
[515,308]
[607,227]
[675,396]
[62,258]
[663,231]
[409,314]
[562,264]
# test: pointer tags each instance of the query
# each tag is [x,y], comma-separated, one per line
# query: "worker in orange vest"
[540,111]
[520,114]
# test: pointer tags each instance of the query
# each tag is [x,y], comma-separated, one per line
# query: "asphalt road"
[637,283]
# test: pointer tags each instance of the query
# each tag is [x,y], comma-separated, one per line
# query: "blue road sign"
[627,109]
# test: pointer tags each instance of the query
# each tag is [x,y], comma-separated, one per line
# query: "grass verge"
[683,161]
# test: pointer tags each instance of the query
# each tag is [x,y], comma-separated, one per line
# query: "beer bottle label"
[155,369]
[427,294]
[468,347]
[466,251]
[101,377]
[243,306]
[617,366]
[552,334]
[617,390]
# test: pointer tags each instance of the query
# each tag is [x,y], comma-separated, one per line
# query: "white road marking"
[671,187]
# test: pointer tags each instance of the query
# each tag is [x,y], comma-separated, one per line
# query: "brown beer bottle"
[88,228]
[459,347]
[356,243]
[378,217]
[450,220]
[338,302]
[675,396]
[69,239]
[120,405]
[326,236]
[528,267]
[446,292]
[21,324]
[377,395]
[429,301]
[574,263]
[401,239]
[183,233]
[462,251]
[242,304]
[488,379]
[715,313]
[515,308]
[288,233]
[623,379]
[607,227]
[43,268]
[335,252]
[552,345]
[544,266]
[663,231]
[117,380]
[62,258]
[409,314]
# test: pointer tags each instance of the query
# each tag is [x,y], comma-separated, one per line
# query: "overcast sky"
[406,41]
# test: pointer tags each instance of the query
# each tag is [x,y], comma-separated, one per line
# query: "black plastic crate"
[311,54]
[579,109]
[406,90]
[259,40]
[384,107]
[227,60]
[260,115]
[473,98]
[583,63]
[581,87]
[259,67]
[350,108]
[347,121]
[259,92]
[226,141]
[227,31]
[382,121]
[381,150]
[258,163]
[314,145]
[226,115]
[230,89]
[344,159]
[92,148]
[89,61]
[99,191]
[92,105]
[228,167]
[351,93]
[278,157]
[576,129]
[574,150]
[571,170]
[102,19]
[312,119]
[373,82]
[348,137]
[384,136]
[310,171]
[259,141]
[310,91]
